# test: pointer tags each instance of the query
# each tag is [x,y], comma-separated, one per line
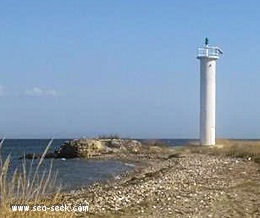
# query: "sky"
[86,68]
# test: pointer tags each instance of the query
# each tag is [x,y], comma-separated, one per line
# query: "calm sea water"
[72,173]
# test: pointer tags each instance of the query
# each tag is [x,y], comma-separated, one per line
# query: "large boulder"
[80,148]
[96,147]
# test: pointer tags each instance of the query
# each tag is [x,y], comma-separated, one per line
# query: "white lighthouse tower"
[208,55]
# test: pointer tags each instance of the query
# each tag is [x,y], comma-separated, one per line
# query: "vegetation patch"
[246,149]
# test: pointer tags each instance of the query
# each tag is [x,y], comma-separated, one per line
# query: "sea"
[71,173]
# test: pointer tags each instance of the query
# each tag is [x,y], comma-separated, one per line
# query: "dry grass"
[109,136]
[27,187]
[155,146]
[248,149]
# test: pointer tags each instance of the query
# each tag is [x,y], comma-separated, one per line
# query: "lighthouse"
[208,55]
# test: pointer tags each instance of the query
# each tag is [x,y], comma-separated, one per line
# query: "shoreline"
[139,164]
[189,181]
[186,184]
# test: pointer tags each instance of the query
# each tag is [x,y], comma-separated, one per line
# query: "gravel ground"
[192,185]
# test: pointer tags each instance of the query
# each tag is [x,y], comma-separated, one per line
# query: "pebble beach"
[179,184]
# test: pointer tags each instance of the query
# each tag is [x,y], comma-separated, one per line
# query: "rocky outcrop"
[104,148]
[96,147]
[79,148]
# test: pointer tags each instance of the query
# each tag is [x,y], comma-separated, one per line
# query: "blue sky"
[84,68]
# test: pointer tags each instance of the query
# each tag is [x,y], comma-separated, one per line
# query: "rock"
[30,156]
[50,155]
[38,156]
[80,148]
[67,150]
[86,148]
[133,146]
[116,143]
[96,147]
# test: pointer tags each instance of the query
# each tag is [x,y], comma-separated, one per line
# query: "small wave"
[117,177]
[130,165]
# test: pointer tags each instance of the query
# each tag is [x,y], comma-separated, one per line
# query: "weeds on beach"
[248,149]
[110,136]
[26,185]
